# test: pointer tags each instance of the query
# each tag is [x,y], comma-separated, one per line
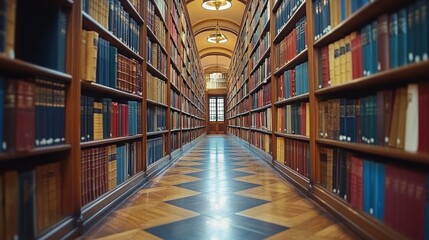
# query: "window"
[216,107]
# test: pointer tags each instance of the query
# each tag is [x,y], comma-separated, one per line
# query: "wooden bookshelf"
[74,216]
[302,97]
[293,136]
[300,58]
[290,24]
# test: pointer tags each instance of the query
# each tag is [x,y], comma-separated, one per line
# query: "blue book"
[48,49]
[26,196]
[393,40]
[423,33]
[343,10]
[411,33]
[98,76]
[402,37]
[374,52]
[379,191]
[365,36]
[350,121]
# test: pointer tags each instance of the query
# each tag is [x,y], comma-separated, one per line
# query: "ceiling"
[215,56]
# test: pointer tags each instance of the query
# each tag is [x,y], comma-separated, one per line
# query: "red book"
[383,42]
[423,117]
[357,66]
[325,67]
[357,183]
[389,195]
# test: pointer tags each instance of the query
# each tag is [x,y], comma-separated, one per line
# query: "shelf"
[173,63]
[174,87]
[19,67]
[290,24]
[243,113]
[186,113]
[298,59]
[110,141]
[361,17]
[293,136]
[199,118]
[199,127]
[152,102]
[4,157]
[92,25]
[263,82]
[260,130]
[259,62]
[377,150]
[153,36]
[92,86]
[261,108]
[155,72]
[302,97]
[128,7]
[156,133]
[175,109]
[175,130]
[381,79]
[232,126]
[159,13]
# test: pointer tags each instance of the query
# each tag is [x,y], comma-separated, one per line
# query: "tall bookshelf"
[87,142]
[342,129]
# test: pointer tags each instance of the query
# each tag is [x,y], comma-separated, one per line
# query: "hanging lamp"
[217,36]
[216,5]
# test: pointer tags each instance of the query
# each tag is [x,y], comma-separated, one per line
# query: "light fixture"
[217,36]
[216,4]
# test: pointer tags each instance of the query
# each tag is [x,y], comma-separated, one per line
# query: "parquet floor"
[219,191]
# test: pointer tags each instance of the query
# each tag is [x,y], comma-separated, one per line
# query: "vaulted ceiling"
[215,56]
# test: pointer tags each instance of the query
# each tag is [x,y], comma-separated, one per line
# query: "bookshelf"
[323,88]
[90,102]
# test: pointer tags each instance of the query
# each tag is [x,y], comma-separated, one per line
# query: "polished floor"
[219,190]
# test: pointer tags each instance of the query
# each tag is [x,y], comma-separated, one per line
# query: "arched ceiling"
[203,22]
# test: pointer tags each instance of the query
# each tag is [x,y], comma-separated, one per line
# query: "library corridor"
[219,190]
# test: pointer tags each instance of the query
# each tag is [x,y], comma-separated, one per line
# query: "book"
[411,119]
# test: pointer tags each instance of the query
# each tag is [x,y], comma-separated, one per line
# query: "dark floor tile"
[202,227]
[222,186]
[216,175]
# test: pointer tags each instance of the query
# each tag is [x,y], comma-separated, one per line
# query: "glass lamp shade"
[217,37]
[216,4]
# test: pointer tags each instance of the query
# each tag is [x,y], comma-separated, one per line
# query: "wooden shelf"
[186,113]
[16,67]
[199,127]
[260,130]
[92,25]
[381,80]
[302,97]
[156,133]
[259,62]
[293,136]
[363,16]
[128,7]
[261,108]
[175,130]
[298,59]
[290,24]
[92,86]
[377,150]
[13,156]
[153,36]
[265,28]
[110,141]
[175,109]
[155,72]
[262,83]
[152,102]
[158,11]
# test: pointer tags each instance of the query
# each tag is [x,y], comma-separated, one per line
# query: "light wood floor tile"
[136,234]
[187,163]
[175,179]
[160,194]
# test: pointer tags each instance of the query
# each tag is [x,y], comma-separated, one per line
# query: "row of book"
[260,51]
[162,7]
[7,27]
[261,141]
[101,118]
[262,120]
[175,141]
[390,193]
[292,45]
[175,56]
[186,121]
[341,9]
[260,74]
[389,42]
[174,99]
[26,107]
[294,154]
[294,119]
[175,120]
[262,97]
[31,201]
[392,117]
[244,106]
[104,168]
[156,118]
[156,89]
[293,82]
[174,77]
[101,63]
[155,150]
[174,13]
[285,11]
[155,56]
[113,17]
[156,24]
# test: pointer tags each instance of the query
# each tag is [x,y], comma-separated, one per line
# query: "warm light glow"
[216,4]
[217,36]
